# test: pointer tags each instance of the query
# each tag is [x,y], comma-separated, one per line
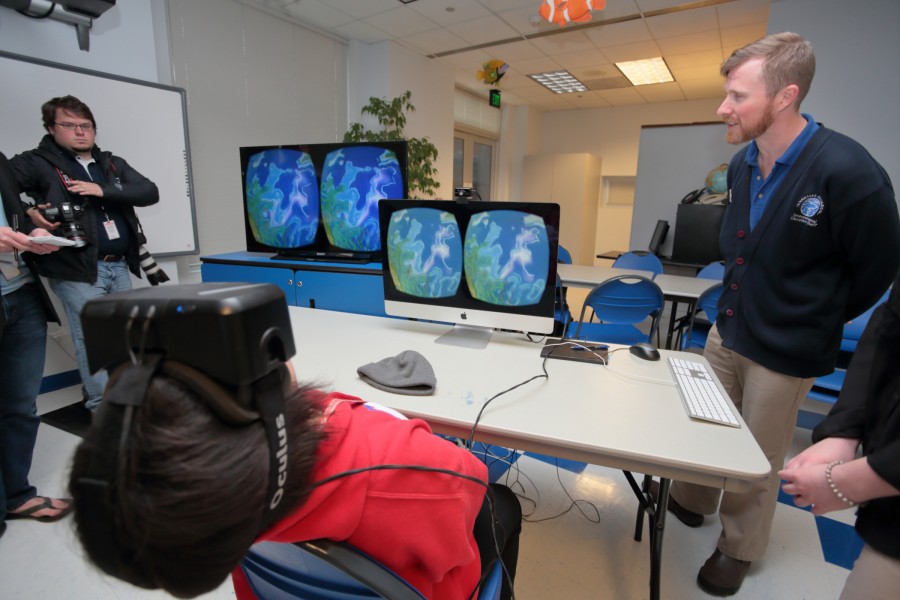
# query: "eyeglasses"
[74,126]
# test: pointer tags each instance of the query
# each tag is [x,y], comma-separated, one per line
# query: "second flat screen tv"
[320,201]
[477,265]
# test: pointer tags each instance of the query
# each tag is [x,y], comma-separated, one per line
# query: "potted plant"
[391,115]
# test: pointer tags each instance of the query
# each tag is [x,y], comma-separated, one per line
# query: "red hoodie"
[419,524]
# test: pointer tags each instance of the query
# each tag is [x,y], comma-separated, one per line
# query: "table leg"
[656,515]
[671,328]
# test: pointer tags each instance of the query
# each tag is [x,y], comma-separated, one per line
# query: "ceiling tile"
[400,22]
[537,65]
[740,12]
[618,34]
[683,23]
[693,36]
[465,60]
[448,12]
[695,59]
[622,97]
[434,41]
[695,42]
[632,52]
[586,60]
[318,13]
[575,41]
[736,37]
[520,50]
[360,9]
[362,31]
[660,92]
[482,31]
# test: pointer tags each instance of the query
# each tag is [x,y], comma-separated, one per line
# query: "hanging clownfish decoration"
[492,71]
[569,11]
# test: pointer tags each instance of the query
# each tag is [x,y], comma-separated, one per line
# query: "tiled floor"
[571,551]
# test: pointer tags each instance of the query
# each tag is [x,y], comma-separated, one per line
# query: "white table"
[582,412]
[588,276]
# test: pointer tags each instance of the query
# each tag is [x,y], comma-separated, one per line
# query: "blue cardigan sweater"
[826,248]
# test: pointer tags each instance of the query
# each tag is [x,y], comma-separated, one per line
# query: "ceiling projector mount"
[80,13]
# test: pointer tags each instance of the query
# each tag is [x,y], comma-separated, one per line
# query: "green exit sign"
[494,99]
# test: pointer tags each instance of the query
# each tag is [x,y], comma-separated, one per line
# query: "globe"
[716,182]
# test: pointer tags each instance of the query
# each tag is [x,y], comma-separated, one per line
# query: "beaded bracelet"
[833,487]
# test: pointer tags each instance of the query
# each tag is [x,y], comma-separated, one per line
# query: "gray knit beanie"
[407,373]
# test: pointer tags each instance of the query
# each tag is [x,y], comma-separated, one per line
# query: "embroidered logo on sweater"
[808,209]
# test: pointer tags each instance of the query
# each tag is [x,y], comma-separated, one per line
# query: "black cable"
[545,375]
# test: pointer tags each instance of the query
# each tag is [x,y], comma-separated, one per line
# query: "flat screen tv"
[320,201]
[477,265]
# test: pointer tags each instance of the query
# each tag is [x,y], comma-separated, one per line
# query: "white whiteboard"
[144,123]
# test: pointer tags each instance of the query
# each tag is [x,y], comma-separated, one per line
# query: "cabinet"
[331,286]
[573,182]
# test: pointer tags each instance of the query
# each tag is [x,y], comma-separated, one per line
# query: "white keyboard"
[699,393]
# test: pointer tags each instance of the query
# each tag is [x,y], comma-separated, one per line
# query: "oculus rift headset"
[225,342]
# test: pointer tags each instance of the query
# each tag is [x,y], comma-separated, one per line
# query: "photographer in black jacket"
[88,196]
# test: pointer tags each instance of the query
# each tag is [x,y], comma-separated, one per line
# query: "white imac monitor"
[479,266]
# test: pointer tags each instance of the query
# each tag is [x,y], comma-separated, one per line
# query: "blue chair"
[328,570]
[697,332]
[619,304]
[714,270]
[561,315]
[640,261]
[827,388]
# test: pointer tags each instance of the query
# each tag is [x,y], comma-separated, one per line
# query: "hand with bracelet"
[847,482]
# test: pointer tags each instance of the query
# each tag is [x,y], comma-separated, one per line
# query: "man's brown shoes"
[722,575]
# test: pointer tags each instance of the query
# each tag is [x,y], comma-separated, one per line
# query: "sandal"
[44,504]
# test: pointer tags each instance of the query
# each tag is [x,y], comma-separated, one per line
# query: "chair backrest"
[327,570]
[714,270]
[854,328]
[564,256]
[639,260]
[706,303]
[625,299]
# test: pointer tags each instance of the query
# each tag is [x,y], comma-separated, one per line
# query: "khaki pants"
[768,402]
[875,576]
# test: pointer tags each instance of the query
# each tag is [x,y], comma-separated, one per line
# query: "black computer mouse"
[645,351]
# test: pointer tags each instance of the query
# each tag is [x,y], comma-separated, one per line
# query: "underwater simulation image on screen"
[282,198]
[354,179]
[507,257]
[424,252]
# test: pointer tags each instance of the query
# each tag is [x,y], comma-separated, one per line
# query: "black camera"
[68,215]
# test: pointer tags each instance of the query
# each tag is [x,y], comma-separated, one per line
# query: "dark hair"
[193,494]
[70,104]
[787,58]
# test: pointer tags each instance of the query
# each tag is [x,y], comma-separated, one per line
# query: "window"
[473,163]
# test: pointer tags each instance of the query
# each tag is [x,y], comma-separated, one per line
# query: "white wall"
[122,40]
[857,83]
[251,79]
[387,70]
[613,134]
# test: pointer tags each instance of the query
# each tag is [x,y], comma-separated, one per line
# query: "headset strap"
[269,395]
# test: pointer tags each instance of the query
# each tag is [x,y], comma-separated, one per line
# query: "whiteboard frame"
[171,224]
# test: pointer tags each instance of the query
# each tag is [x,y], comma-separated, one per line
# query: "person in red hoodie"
[190,499]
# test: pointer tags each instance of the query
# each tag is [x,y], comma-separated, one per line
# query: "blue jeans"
[111,277]
[23,341]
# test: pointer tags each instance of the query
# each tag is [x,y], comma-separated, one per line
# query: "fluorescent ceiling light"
[647,71]
[559,82]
